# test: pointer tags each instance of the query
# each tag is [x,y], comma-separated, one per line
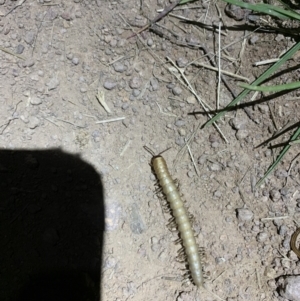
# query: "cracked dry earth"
[78,103]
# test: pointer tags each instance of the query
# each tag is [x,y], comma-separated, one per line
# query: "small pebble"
[191,99]
[180,123]
[284,191]
[262,236]
[67,15]
[182,62]
[75,61]
[236,12]
[202,159]
[150,42]
[29,37]
[53,83]
[125,106]
[33,122]
[119,67]
[20,48]
[215,167]
[136,92]
[275,195]
[217,194]
[28,63]
[253,39]
[191,174]
[283,230]
[154,84]
[279,37]
[180,141]
[263,108]
[281,174]
[182,132]
[244,214]
[135,82]
[70,56]
[220,260]
[242,134]
[290,289]
[110,84]
[35,100]
[286,243]
[177,90]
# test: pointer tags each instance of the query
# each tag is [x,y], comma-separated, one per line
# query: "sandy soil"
[70,164]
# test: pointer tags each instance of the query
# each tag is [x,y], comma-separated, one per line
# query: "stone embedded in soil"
[253,39]
[182,62]
[244,214]
[177,90]
[29,37]
[262,236]
[119,67]
[290,289]
[154,84]
[191,99]
[135,92]
[19,49]
[236,12]
[35,100]
[135,82]
[110,84]
[150,42]
[75,61]
[263,108]
[215,167]
[68,14]
[53,83]
[275,195]
[28,63]
[281,174]
[242,134]
[180,141]
[180,122]
[33,122]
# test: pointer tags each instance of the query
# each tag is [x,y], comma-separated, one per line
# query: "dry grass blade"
[101,99]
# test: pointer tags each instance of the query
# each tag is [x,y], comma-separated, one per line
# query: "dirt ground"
[58,61]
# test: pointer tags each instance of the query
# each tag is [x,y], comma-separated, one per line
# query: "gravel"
[290,289]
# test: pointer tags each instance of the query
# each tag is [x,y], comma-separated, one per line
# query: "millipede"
[181,217]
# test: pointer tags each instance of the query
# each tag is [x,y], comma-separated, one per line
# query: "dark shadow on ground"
[52,223]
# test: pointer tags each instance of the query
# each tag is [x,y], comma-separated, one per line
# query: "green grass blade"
[263,77]
[295,142]
[277,88]
[279,158]
[267,9]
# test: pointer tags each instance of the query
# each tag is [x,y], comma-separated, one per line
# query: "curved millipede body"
[293,242]
[181,218]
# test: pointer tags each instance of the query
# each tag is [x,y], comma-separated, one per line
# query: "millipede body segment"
[181,218]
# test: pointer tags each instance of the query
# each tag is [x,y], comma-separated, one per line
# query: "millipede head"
[150,151]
